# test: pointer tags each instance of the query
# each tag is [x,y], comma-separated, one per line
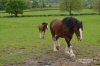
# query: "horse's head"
[45,25]
[78,30]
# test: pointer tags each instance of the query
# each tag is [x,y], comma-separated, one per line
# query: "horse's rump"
[56,28]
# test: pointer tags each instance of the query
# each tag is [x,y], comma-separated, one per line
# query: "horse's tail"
[52,23]
[51,28]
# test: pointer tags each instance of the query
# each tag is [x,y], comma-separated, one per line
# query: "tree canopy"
[15,7]
[70,5]
[97,6]
[3,4]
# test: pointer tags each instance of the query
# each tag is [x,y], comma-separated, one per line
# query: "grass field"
[19,37]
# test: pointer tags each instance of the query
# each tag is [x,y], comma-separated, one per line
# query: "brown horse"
[42,29]
[65,28]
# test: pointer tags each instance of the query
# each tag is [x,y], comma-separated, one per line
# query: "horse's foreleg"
[68,50]
[71,53]
[40,34]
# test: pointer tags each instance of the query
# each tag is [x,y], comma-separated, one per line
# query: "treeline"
[17,6]
[76,5]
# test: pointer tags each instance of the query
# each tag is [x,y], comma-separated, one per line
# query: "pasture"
[19,38]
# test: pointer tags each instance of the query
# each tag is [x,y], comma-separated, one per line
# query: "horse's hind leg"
[56,43]
[43,34]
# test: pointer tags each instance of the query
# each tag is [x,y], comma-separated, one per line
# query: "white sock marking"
[55,44]
[40,35]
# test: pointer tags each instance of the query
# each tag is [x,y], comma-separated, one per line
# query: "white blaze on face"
[80,30]
[47,26]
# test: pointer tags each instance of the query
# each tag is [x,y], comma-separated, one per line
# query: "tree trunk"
[70,10]
[16,14]
[99,13]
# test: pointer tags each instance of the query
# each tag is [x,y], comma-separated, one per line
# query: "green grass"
[19,37]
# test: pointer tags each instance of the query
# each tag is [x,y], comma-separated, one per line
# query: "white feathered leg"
[69,52]
[40,34]
[55,49]
[56,45]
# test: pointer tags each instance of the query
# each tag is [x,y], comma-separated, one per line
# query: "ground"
[61,59]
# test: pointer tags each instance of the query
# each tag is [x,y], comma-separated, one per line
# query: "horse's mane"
[70,22]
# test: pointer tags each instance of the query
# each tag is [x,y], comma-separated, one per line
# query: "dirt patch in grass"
[89,56]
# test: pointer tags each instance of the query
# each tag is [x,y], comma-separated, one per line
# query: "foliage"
[89,3]
[97,6]
[2,4]
[35,4]
[15,7]
[70,5]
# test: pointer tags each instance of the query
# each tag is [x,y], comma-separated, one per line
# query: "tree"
[15,7]
[97,5]
[42,4]
[2,4]
[35,4]
[70,5]
[89,3]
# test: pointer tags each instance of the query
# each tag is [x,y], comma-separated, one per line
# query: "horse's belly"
[59,33]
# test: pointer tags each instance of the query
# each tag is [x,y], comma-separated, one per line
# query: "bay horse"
[42,29]
[65,29]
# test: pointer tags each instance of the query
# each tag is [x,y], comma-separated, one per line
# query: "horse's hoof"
[55,50]
[57,47]
[72,56]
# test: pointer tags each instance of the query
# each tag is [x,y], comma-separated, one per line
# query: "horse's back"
[40,27]
[56,27]
[55,23]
